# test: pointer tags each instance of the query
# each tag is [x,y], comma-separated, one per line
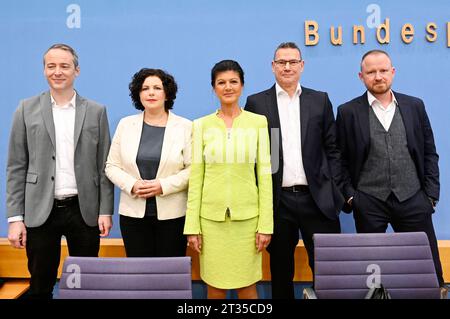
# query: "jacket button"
[53,178]
[53,157]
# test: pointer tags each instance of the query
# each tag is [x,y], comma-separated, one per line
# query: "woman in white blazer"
[149,161]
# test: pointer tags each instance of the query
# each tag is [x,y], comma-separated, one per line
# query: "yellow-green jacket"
[231,170]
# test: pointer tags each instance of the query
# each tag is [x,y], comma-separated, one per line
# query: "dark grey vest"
[389,166]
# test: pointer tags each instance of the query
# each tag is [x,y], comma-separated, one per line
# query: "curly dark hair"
[168,81]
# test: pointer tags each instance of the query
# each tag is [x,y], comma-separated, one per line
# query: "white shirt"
[384,115]
[64,120]
[289,112]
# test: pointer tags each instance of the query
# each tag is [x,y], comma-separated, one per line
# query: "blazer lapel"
[274,116]
[47,115]
[169,135]
[80,113]
[407,118]
[305,105]
[362,112]
[135,139]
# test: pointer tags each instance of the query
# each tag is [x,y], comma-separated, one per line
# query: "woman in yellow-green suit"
[229,218]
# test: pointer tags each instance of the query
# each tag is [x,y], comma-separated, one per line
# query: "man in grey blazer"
[56,183]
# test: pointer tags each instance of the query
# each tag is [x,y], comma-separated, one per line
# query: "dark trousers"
[150,237]
[297,211]
[412,215]
[44,246]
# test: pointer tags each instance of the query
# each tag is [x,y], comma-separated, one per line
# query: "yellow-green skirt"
[229,258]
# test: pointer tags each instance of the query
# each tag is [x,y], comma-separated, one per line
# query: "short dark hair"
[374,52]
[64,47]
[287,45]
[168,81]
[226,65]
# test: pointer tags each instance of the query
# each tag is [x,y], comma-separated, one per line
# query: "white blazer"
[173,171]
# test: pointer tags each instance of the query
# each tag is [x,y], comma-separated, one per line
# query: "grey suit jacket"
[31,161]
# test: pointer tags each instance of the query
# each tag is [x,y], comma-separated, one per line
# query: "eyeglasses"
[283,63]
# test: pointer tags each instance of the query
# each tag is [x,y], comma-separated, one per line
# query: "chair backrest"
[126,278]
[346,265]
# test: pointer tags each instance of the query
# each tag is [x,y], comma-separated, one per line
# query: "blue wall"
[117,38]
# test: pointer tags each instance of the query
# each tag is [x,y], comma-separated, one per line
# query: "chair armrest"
[308,293]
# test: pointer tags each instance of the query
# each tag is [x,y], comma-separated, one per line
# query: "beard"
[380,88]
